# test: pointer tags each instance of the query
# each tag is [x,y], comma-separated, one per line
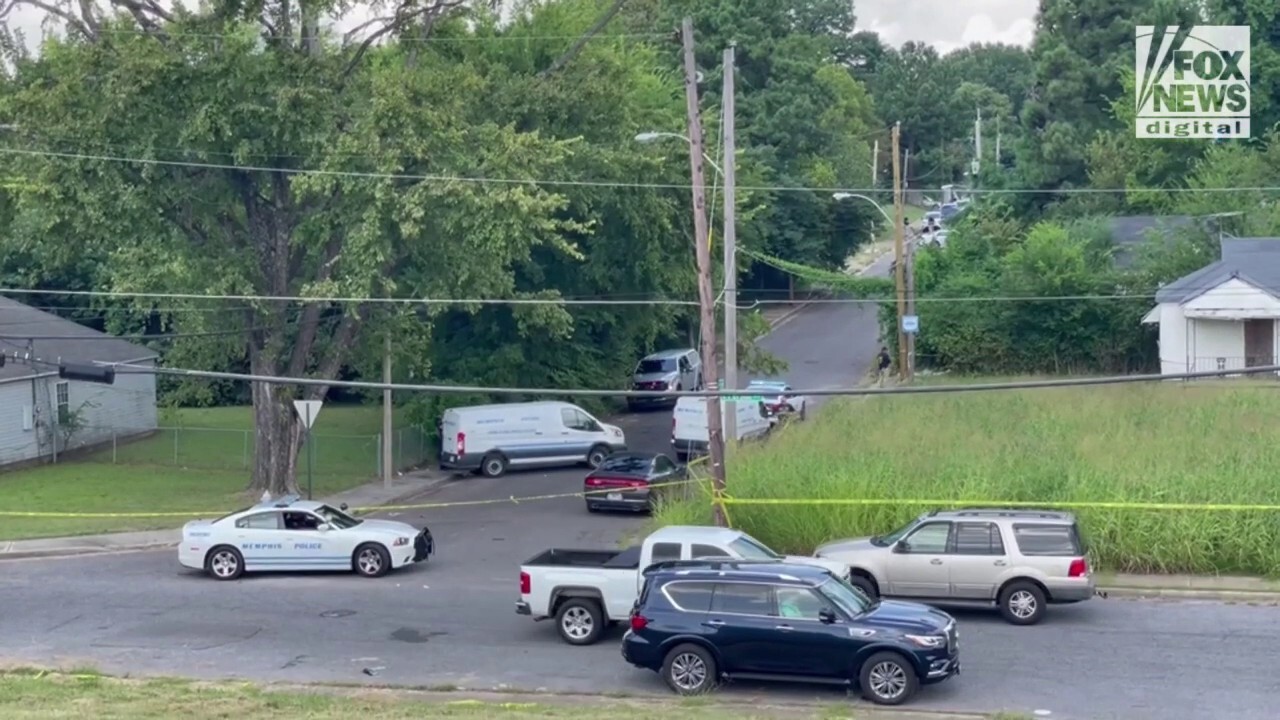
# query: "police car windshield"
[337,518]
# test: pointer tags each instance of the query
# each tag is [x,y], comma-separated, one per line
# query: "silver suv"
[1016,560]
[676,370]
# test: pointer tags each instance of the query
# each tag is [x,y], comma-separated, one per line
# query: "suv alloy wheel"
[689,670]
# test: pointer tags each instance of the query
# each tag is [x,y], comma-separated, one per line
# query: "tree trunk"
[277,435]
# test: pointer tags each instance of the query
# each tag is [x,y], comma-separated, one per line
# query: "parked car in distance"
[675,370]
[1019,561]
[489,439]
[698,622]
[289,534]
[586,590]
[690,433]
[780,400]
[630,481]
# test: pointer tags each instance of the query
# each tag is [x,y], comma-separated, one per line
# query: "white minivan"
[689,434]
[490,438]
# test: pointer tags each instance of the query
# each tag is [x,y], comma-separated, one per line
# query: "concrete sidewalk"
[1214,587]
[370,495]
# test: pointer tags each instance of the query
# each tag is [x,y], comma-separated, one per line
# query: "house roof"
[1129,232]
[1253,260]
[74,342]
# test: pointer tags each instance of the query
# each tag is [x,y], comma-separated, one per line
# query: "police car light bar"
[287,500]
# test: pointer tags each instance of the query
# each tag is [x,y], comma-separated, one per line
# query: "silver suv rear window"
[1040,539]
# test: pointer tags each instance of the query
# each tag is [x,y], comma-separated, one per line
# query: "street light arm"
[847,196]
[648,137]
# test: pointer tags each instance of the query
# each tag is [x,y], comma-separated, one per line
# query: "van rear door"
[690,420]
[449,428]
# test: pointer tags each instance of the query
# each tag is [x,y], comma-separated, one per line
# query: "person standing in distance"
[883,361]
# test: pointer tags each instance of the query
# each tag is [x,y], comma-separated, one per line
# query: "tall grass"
[1213,443]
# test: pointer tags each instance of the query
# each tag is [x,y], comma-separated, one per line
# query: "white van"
[689,435]
[490,438]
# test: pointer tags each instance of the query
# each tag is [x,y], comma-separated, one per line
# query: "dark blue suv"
[696,622]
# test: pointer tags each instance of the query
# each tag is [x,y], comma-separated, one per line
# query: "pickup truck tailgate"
[542,586]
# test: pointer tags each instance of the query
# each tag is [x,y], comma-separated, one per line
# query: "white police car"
[292,534]
[780,401]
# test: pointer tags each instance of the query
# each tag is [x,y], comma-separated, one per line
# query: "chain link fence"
[228,449]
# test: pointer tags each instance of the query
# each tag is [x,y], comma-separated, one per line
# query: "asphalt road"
[451,622]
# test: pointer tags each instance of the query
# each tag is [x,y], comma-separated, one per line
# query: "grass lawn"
[37,696]
[1169,443]
[199,464]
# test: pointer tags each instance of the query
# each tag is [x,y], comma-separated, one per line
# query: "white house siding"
[126,407]
[16,443]
[1173,340]
[1212,340]
[1233,300]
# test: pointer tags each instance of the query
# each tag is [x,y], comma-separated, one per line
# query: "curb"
[143,547]
[79,551]
[1166,593]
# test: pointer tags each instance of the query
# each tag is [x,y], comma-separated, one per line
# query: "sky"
[948,24]
[945,24]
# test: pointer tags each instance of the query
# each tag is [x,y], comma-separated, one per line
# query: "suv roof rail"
[1013,513]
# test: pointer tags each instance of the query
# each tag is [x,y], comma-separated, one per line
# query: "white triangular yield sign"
[307,411]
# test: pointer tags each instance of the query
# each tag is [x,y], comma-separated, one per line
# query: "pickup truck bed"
[628,559]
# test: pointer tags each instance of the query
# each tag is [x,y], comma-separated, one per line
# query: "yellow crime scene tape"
[1075,505]
[417,506]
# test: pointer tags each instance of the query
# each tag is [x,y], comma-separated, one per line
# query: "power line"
[443,40]
[142,337]
[100,313]
[126,368]
[608,302]
[599,183]
[357,300]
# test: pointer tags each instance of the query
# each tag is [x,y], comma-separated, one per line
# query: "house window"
[63,393]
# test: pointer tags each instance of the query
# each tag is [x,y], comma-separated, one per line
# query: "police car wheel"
[371,560]
[224,563]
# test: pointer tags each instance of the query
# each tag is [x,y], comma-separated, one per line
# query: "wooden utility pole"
[730,255]
[899,261]
[387,425]
[706,301]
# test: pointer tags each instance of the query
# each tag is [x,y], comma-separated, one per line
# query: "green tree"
[197,98]
[1081,51]
[1263,19]
[634,243]
[1006,69]
[801,120]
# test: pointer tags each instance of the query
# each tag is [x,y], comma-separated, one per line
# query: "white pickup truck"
[588,590]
